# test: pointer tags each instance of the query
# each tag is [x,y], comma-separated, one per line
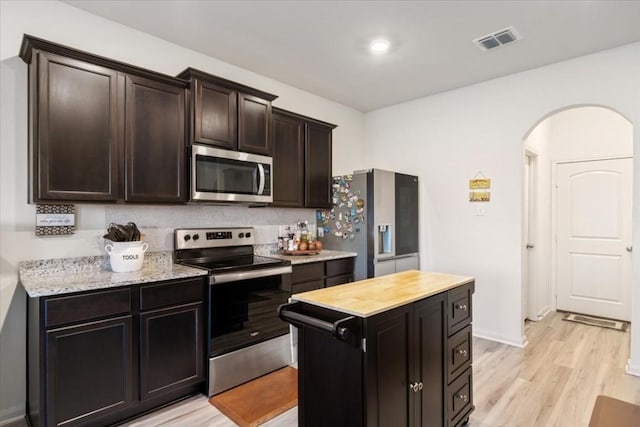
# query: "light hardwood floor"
[553,381]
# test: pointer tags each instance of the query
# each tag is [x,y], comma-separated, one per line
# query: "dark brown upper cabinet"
[288,160]
[74,129]
[154,141]
[229,115]
[101,130]
[317,165]
[301,160]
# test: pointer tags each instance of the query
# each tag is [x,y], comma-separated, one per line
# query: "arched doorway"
[577,209]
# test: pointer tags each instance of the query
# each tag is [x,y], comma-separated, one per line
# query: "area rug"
[260,400]
[596,321]
[610,412]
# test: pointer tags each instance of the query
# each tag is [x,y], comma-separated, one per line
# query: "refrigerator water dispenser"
[384,239]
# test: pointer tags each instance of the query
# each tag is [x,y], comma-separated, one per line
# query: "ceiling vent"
[497,39]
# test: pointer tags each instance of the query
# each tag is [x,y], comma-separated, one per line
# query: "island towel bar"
[338,328]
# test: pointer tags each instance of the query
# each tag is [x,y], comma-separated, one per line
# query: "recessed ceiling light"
[379,46]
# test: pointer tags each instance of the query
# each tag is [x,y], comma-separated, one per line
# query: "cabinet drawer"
[307,286]
[459,397]
[79,308]
[171,293]
[339,280]
[459,353]
[459,308]
[307,272]
[339,267]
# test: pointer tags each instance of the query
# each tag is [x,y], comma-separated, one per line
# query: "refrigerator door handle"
[406,255]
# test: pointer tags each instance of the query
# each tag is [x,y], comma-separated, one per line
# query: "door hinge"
[364,345]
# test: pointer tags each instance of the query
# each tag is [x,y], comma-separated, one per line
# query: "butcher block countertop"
[372,296]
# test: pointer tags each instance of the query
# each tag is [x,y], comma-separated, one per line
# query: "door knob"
[529,246]
[629,248]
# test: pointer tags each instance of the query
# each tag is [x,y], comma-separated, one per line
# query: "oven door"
[229,176]
[244,309]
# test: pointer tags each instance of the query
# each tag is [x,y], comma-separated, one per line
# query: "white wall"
[61,23]
[447,138]
[589,133]
[582,133]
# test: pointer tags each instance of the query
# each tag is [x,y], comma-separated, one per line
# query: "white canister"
[126,256]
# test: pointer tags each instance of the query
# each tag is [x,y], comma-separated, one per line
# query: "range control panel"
[194,238]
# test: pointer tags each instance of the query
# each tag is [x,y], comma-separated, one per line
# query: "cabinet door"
[317,166]
[89,371]
[154,141]
[288,160]
[76,140]
[389,401]
[216,115]
[171,349]
[254,122]
[429,327]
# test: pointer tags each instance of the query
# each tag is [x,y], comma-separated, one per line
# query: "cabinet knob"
[462,351]
[420,386]
[462,307]
[463,397]
[413,387]
[629,248]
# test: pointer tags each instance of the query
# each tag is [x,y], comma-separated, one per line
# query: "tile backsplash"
[158,222]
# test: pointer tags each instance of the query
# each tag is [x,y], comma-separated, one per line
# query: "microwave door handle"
[261,172]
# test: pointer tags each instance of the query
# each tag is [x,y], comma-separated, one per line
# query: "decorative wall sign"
[480,183]
[479,187]
[479,196]
[55,220]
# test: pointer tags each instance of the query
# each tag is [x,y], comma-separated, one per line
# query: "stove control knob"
[241,235]
[196,237]
[247,235]
[187,237]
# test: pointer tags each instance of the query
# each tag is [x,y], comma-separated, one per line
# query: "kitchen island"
[389,351]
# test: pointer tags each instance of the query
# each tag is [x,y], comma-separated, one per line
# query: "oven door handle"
[245,275]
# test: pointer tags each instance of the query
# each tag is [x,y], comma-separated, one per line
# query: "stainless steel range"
[246,337]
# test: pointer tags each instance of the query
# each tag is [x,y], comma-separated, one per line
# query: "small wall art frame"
[55,220]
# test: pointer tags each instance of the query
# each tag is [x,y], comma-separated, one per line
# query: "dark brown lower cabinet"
[403,369]
[89,371]
[171,349]
[98,358]
[309,276]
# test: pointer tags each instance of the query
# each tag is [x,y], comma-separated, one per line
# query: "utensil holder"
[125,257]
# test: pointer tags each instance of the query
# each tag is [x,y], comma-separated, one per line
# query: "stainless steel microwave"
[219,175]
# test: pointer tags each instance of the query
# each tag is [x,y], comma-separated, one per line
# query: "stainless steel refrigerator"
[375,213]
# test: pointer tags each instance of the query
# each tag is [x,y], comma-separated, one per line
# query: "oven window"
[219,175]
[244,313]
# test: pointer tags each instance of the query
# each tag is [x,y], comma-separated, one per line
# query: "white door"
[594,237]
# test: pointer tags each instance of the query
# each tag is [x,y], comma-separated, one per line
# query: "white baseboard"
[11,415]
[633,369]
[519,342]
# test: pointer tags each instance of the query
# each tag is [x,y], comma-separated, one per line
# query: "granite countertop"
[324,255]
[67,275]
[372,296]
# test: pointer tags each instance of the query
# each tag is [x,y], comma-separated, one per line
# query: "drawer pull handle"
[462,307]
[462,351]
[463,397]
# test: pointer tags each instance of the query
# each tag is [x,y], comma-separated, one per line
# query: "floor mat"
[608,412]
[260,400]
[596,321]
